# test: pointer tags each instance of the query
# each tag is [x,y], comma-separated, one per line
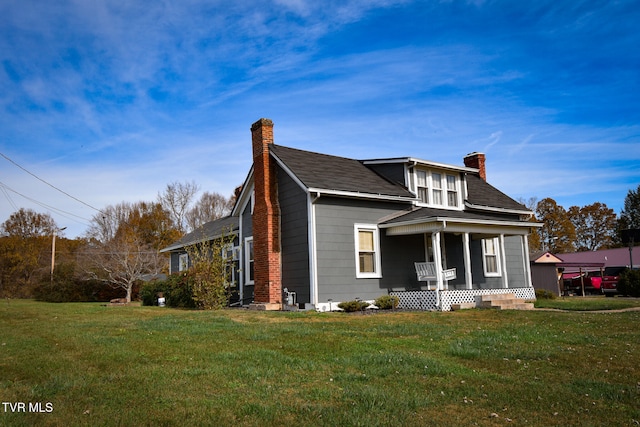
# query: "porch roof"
[415,220]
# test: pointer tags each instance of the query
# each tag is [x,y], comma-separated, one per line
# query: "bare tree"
[211,206]
[176,199]
[123,244]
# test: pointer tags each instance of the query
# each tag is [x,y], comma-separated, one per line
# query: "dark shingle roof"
[482,193]
[327,172]
[208,231]
[427,213]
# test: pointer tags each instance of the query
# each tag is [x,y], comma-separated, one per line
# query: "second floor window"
[437,189]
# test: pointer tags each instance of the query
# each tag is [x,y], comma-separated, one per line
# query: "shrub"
[355,305]
[387,302]
[629,283]
[545,294]
[67,287]
[177,291]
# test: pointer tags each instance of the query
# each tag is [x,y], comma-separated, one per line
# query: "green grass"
[121,366]
[590,303]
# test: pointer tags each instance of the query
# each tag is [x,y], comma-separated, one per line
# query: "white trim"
[377,269]
[313,258]
[503,256]
[468,273]
[500,210]
[496,254]
[357,195]
[247,269]
[239,207]
[420,162]
[525,259]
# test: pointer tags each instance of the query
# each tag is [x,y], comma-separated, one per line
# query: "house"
[315,229]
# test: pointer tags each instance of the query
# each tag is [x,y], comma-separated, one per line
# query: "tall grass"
[125,366]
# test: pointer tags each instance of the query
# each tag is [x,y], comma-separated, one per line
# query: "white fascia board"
[450,221]
[357,195]
[420,162]
[495,209]
[244,193]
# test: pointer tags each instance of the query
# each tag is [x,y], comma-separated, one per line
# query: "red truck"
[610,280]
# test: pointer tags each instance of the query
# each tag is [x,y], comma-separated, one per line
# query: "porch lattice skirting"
[428,300]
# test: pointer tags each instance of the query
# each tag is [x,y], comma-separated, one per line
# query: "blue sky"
[110,101]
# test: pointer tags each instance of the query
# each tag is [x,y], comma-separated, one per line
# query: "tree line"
[577,229]
[121,246]
[119,249]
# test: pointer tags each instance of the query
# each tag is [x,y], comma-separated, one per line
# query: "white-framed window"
[367,250]
[491,257]
[422,189]
[452,191]
[248,261]
[437,189]
[183,262]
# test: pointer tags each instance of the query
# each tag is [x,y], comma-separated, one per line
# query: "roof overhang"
[500,210]
[457,225]
[412,161]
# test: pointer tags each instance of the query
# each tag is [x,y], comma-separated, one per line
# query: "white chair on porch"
[426,272]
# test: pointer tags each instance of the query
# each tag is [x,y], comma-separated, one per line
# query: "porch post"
[437,258]
[503,262]
[527,264]
[468,276]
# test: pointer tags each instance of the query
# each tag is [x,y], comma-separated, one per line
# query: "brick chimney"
[476,160]
[266,221]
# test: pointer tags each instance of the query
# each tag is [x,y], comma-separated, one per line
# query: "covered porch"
[463,256]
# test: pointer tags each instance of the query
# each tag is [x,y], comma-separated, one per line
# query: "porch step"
[503,302]
[463,306]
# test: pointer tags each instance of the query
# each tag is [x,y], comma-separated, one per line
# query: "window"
[423,190]
[437,189]
[452,191]
[436,180]
[248,261]
[183,262]
[367,251]
[490,258]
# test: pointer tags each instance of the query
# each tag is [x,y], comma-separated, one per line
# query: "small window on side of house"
[367,251]
[248,261]
[490,257]
[183,262]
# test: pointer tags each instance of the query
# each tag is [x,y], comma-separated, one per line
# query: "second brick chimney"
[476,160]
[266,221]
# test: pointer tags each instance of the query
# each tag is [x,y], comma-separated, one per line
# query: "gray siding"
[515,264]
[335,243]
[294,234]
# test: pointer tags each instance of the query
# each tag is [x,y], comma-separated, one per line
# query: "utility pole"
[53,250]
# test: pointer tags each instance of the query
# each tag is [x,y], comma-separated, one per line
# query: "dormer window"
[438,189]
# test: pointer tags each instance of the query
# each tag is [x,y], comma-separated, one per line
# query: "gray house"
[315,229]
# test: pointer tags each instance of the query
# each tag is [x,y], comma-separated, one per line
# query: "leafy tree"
[123,244]
[28,223]
[595,226]
[210,207]
[210,272]
[25,252]
[557,233]
[630,214]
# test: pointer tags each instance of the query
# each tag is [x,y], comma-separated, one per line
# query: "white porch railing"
[442,300]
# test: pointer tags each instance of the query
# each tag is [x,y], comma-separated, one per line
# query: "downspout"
[311,233]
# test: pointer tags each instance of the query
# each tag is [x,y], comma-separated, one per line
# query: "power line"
[5,187]
[50,185]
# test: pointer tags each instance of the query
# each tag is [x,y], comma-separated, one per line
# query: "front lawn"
[124,366]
